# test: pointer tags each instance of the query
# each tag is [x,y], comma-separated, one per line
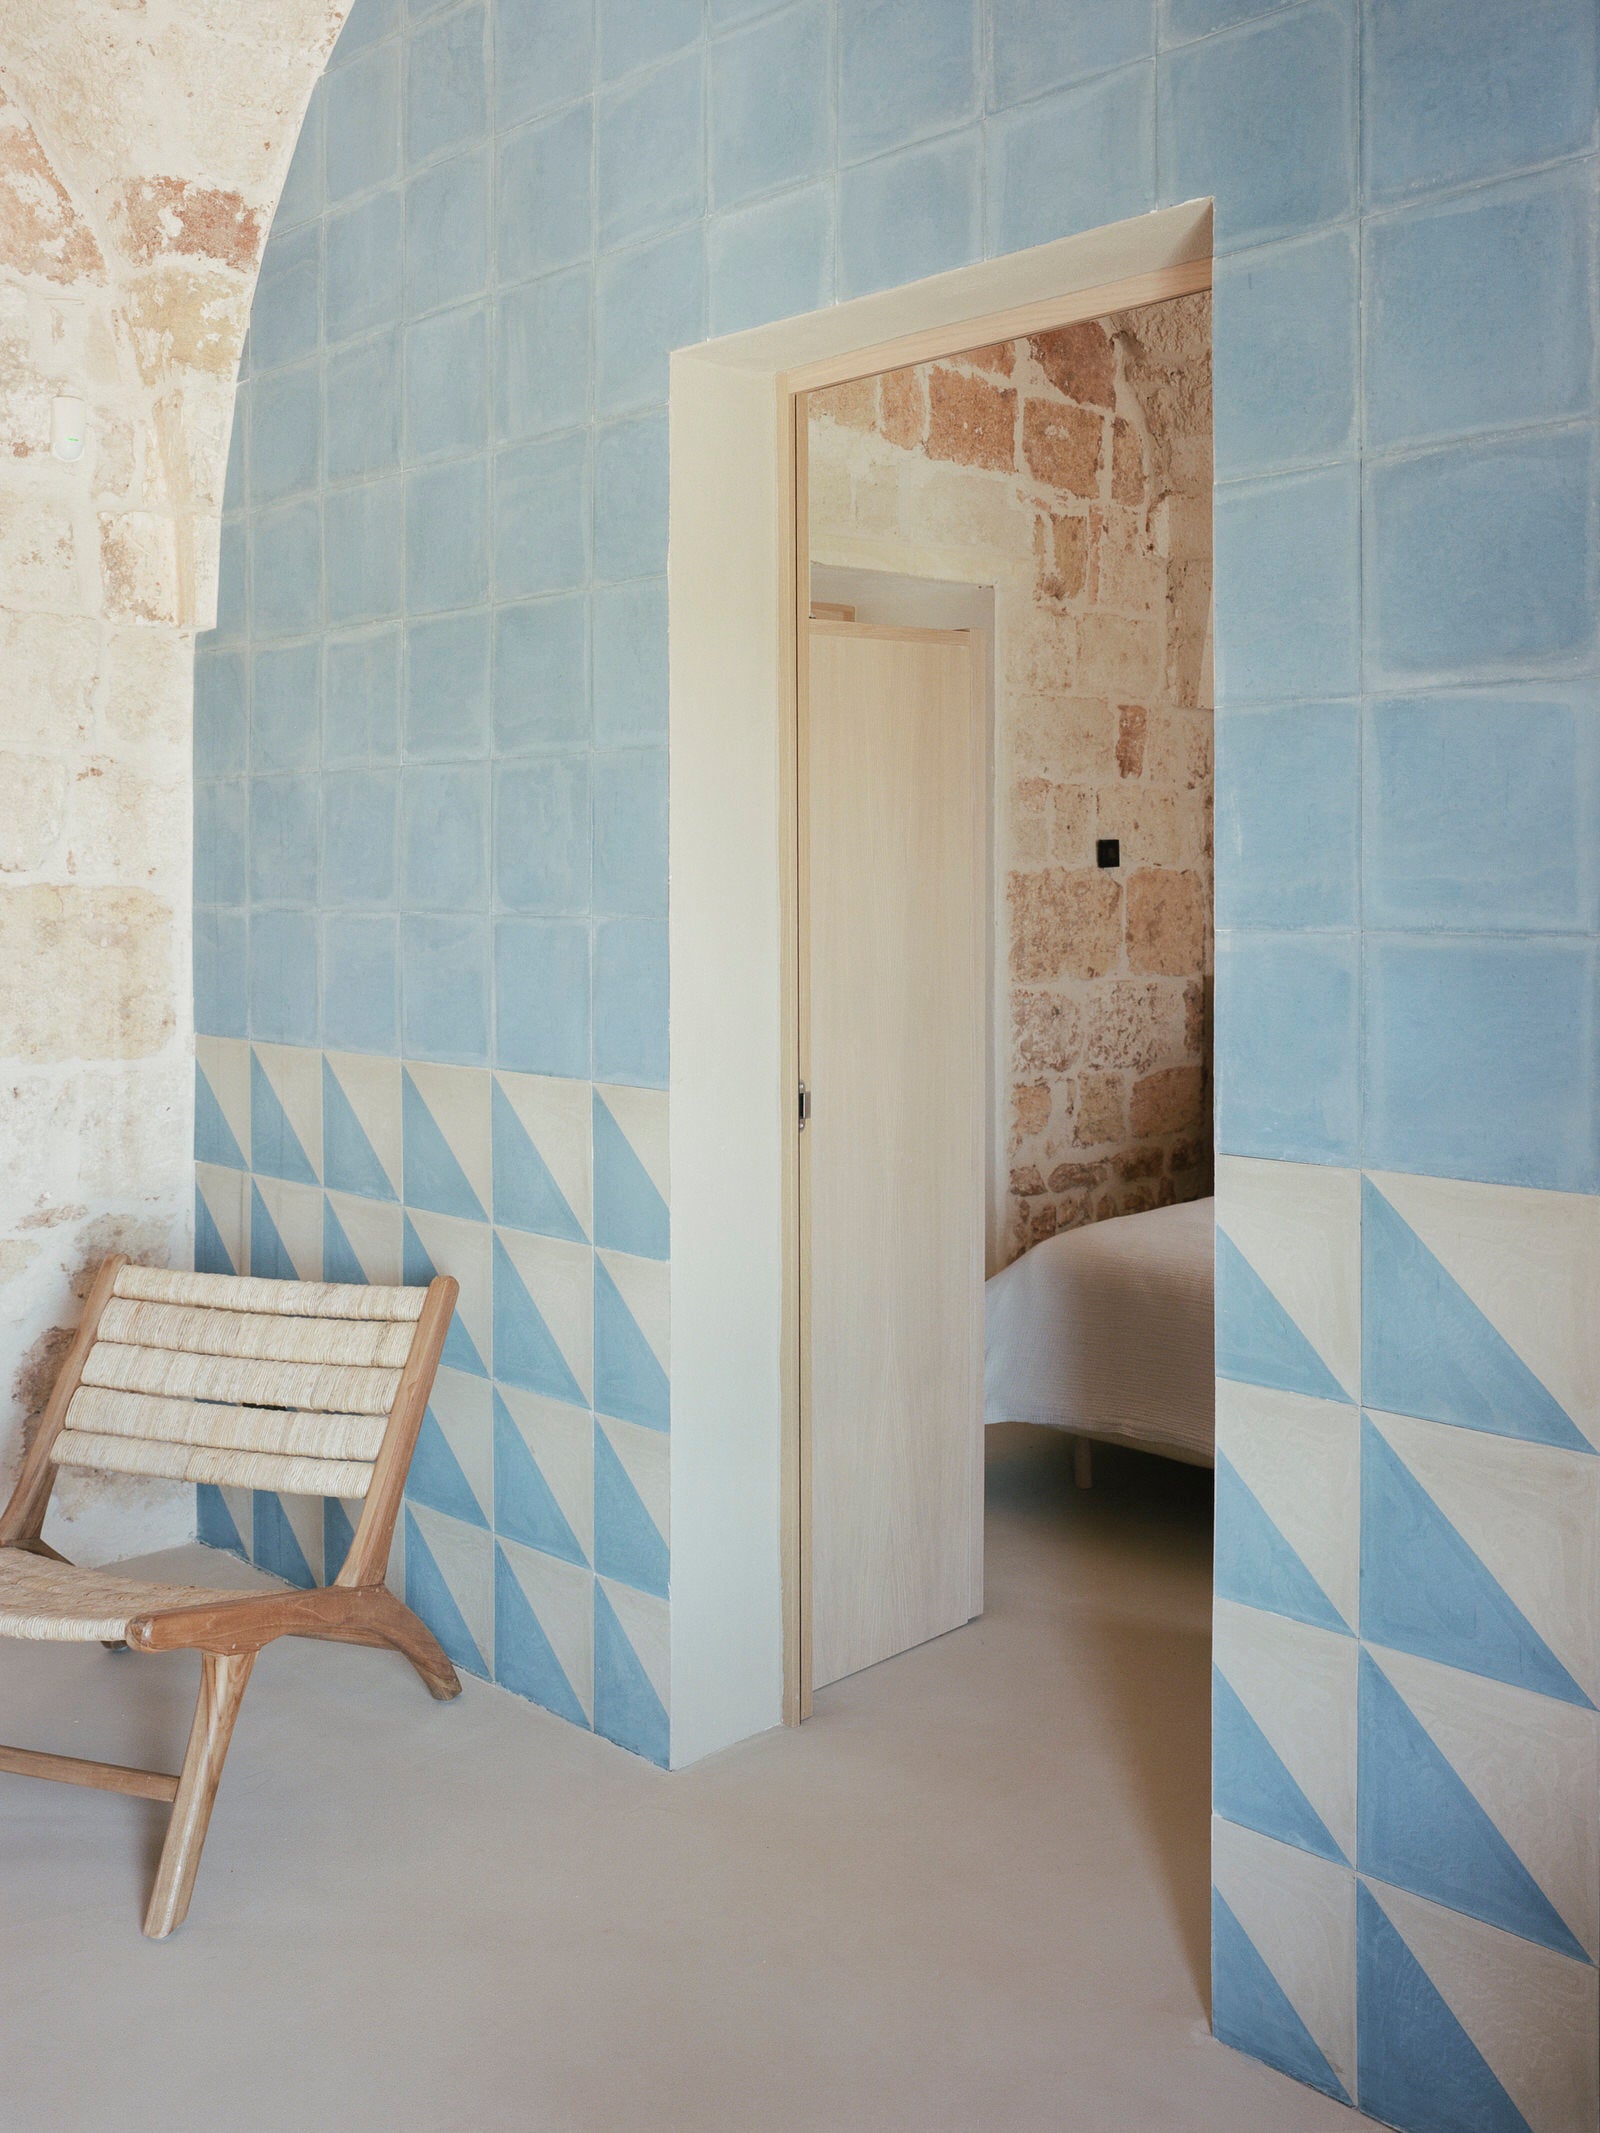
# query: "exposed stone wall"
[1073,472]
[142,146]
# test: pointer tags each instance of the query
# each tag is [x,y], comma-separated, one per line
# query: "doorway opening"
[1045,501]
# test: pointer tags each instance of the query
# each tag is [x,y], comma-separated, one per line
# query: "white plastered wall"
[732,1081]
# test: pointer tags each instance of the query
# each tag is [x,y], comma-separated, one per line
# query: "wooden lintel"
[74,1770]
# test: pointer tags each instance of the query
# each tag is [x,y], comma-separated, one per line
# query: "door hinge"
[805,1107]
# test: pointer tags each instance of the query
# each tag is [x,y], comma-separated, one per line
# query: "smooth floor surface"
[969,1895]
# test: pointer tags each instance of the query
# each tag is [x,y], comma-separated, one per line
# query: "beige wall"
[1073,473]
[142,147]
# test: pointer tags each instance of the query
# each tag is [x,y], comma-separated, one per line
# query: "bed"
[1106,1331]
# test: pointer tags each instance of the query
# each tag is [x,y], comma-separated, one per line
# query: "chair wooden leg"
[222,1684]
[399,1627]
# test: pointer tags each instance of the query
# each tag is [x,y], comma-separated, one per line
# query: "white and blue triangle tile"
[1288,1504]
[286,1229]
[544,1629]
[286,1113]
[363,1241]
[362,1135]
[544,1477]
[630,1171]
[1288,1277]
[452,1466]
[631,1661]
[541,1138]
[434,1244]
[632,1363]
[448,1166]
[449,1574]
[222,1102]
[544,1315]
[1284,1730]
[631,1505]
[221,1220]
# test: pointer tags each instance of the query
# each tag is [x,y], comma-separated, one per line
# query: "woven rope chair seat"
[61,1604]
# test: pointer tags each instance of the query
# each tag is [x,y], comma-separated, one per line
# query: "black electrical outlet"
[1108,852]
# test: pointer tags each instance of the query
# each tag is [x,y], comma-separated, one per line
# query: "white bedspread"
[1106,1330]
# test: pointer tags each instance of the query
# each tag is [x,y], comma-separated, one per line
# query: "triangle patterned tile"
[1429,1350]
[285,1230]
[629,1706]
[436,1477]
[221,1228]
[461,1405]
[532,1617]
[1301,1460]
[1529,1261]
[338,1531]
[1530,1765]
[1251,1784]
[1252,2012]
[1421,1828]
[1425,1589]
[449,1572]
[275,1543]
[286,1112]
[1258,1343]
[629,1544]
[215,1526]
[543,1474]
[1297,1911]
[541,1155]
[361,1239]
[543,1315]
[448,1162]
[1255,1564]
[630,1206]
[214,1139]
[630,1336]
[1298,1226]
[436,1244]
[1297,1685]
[1462,2025]
[223,1063]
[350,1159]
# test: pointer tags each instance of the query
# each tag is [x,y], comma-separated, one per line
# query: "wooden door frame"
[738,599]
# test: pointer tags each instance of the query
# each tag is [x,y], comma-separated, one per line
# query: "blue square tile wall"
[431,770]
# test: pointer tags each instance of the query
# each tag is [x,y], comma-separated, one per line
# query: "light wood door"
[893,906]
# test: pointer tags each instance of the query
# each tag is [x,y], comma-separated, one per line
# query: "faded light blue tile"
[361,407]
[447,85]
[630,832]
[362,104]
[542,367]
[233,562]
[1262,118]
[220,714]
[360,809]
[447,687]
[726,12]
[1039,44]
[1459,89]
[1287,1069]
[285,433]
[302,195]
[285,816]
[1287,593]
[636,33]
[541,835]
[1481,1060]
[447,383]
[286,709]
[1288,816]
[219,840]
[235,482]
[444,987]
[1285,329]
[761,140]
[445,815]
[361,528]
[361,697]
[288,299]
[365,24]
[1478,311]
[648,302]
[910,215]
[630,664]
[1482,812]
[541,664]
[773,261]
[630,1001]
[651,153]
[630,499]
[360,983]
[1074,161]
[1480,559]
[284,978]
[541,980]
[447,535]
[543,55]
[221,973]
[541,516]
[907,68]
[447,232]
[286,570]
[1182,20]
[544,209]
[364,270]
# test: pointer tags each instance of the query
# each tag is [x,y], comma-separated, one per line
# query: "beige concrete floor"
[969,1895]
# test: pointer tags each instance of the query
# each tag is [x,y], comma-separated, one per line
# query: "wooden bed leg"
[222,1684]
[1083,1462]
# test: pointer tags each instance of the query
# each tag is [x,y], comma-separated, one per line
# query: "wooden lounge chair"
[309,1388]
